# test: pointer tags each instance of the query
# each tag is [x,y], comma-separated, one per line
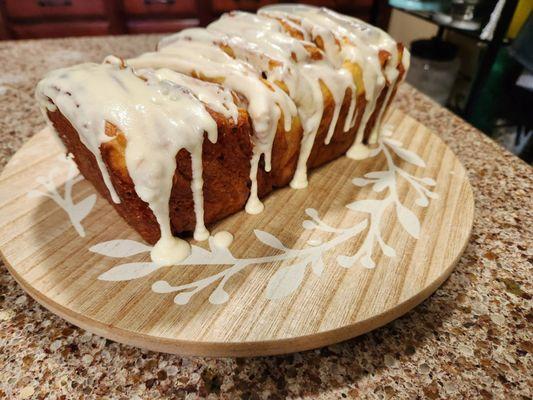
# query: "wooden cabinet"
[29,9]
[25,19]
[160,25]
[220,6]
[58,29]
[147,16]
[22,19]
[160,7]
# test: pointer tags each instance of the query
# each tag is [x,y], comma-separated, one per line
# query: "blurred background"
[474,57]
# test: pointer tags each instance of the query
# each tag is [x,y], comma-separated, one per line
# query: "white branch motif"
[287,279]
[76,212]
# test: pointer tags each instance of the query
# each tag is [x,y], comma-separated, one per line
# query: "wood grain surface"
[309,294]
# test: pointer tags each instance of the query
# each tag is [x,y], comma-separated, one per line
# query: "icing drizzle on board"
[281,62]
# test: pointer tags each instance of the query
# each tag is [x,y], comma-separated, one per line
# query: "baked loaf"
[216,118]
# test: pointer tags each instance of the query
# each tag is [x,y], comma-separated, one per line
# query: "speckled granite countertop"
[471,339]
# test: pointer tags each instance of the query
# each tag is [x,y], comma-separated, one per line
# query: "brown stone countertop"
[470,340]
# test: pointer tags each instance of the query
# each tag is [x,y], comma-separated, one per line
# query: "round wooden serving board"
[318,266]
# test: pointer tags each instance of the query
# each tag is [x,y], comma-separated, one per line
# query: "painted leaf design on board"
[367,206]
[393,142]
[346,261]
[201,256]
[428,181]
[409,156]
[367,261]
[387,250]
[35,193]
[126,272]
[183,298]
[432,195]
[318,266]
[383,183]
[285,281]
[269,239]
[313,213]
[377,174]
[219,296]
[374,152]
[408,220]
[120,248]
[360,182]
[84,207]
[422,201]
[308,224]
[198,256]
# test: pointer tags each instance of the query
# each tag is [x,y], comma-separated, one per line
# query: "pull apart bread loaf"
[216,118]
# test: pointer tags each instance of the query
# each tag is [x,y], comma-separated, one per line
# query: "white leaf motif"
[377,174]
[433,195]
[367,262]
[34,193]
[428,181]
[374,152]
[269,239]
[360,182]
[409,156]
[345,261]
[84,207]
[393,142]
[126,272]
[314,242]
[380,185]
[308,224]
[219,296]
[120,248]
[422,201]
[311,212]
[408,220]
[285,281]
[318,266]
[387,250]
[162,287]
[183,298]
[367,206]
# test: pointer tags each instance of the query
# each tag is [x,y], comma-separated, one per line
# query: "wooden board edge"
[242,349]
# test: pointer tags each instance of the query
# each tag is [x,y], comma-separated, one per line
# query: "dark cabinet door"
[159,7]
[30,9]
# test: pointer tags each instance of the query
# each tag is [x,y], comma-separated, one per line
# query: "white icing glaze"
[358,151]
[162,107]
[223,239]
